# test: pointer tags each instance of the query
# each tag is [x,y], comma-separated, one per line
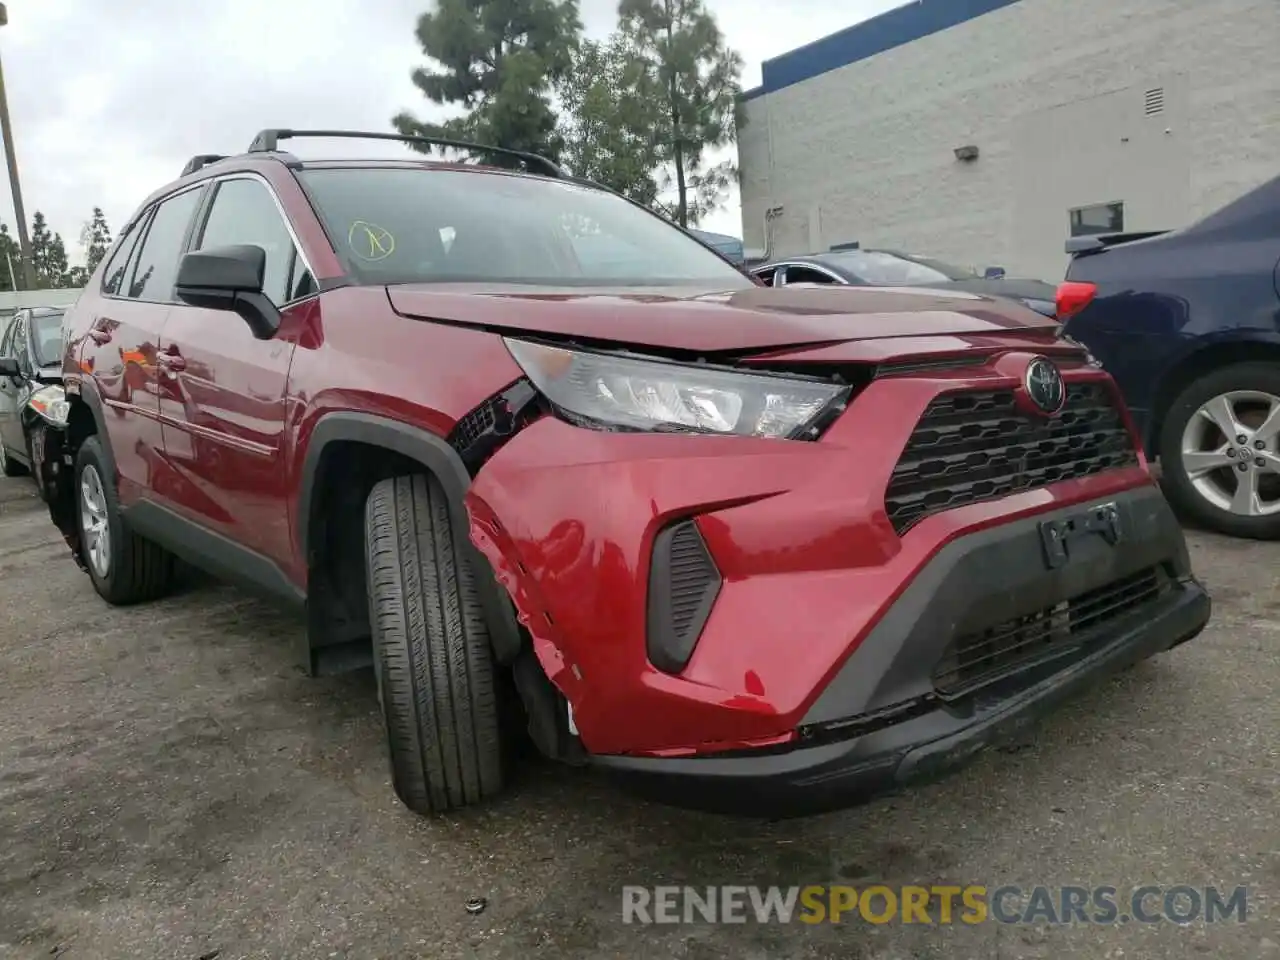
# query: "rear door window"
[113,273]
[157,265]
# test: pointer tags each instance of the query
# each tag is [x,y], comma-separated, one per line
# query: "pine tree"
[607,122]
[10,259]
[693,77]
[41,241]
[497,59]
[95,240]
[48,255]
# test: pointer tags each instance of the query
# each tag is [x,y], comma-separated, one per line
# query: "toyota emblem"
[1044,386]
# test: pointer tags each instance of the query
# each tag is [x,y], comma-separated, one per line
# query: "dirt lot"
[172,787]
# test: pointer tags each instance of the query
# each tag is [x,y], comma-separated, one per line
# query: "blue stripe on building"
[892,29]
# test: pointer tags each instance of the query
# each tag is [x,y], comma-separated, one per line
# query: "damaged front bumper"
[896,713]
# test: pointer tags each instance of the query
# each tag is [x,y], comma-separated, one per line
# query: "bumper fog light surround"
[683,585]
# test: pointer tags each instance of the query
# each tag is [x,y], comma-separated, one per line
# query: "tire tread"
[431,649]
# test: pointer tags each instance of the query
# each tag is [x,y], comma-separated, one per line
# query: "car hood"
[751,319]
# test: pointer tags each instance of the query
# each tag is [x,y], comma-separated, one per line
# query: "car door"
[121,345]
[9,386]
[222,392]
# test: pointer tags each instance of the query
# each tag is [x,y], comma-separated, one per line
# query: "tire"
[431,651]
[10,467]
[129,569]
[1191,443]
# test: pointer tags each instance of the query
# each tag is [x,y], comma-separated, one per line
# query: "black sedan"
[893,268]
[30,362]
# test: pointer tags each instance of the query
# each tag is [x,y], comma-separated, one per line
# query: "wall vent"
[1154,101]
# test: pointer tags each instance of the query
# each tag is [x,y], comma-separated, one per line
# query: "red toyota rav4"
[525,444]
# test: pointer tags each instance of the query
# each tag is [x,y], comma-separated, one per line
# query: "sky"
[109,100]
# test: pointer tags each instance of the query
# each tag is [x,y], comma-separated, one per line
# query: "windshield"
[413,225]
[46,338]
[889,269]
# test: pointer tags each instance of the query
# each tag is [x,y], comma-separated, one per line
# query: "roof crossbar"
[268,142]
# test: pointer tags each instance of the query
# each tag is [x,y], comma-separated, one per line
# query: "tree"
[606,120]
[10,259]
[95,240]
[497,60]
[48,255]
[692,76]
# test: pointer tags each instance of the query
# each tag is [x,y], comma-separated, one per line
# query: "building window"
[1097,219]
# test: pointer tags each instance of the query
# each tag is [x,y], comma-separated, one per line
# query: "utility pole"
[6,129]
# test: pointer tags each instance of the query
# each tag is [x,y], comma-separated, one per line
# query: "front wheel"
[431,650]
[1220,451]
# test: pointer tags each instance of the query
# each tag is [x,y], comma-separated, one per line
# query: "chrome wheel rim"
[1231,452]
[93,521]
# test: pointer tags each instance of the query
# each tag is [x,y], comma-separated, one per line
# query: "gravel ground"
[171,786]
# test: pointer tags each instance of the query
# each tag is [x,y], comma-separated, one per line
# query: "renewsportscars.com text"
[973,904]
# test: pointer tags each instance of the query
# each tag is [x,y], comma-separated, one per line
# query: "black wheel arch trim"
[89,397]
[1171,380]
[434,453]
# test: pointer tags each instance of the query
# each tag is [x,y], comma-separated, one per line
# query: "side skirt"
[229,561]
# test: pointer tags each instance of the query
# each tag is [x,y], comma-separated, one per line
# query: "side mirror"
[230,278]
[9,367]
[993,273]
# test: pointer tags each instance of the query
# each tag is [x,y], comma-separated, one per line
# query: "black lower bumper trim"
[823,773]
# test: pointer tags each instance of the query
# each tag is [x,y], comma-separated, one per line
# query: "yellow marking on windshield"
[370,242]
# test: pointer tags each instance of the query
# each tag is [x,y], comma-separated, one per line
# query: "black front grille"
[981,657]
[978,445]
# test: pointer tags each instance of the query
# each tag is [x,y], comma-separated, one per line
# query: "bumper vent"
[683,584]
[977,445]
[1070,627]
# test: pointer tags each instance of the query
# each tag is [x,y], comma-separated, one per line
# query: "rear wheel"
[125,568]
[1220,451]
[432,654]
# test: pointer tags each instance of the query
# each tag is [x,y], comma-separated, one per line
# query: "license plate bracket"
[1057,536]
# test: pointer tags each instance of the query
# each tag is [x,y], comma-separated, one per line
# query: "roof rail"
[268,142]
[200,161]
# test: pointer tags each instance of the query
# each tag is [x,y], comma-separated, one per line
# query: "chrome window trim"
[203,213]
[297,244]
[809,266]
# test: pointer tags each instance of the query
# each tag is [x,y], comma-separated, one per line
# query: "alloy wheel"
[1231,452]
[93,521]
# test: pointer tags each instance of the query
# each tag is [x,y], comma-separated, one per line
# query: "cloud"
[109,100]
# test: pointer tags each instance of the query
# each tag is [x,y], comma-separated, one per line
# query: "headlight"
[607,390]
[51,403]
